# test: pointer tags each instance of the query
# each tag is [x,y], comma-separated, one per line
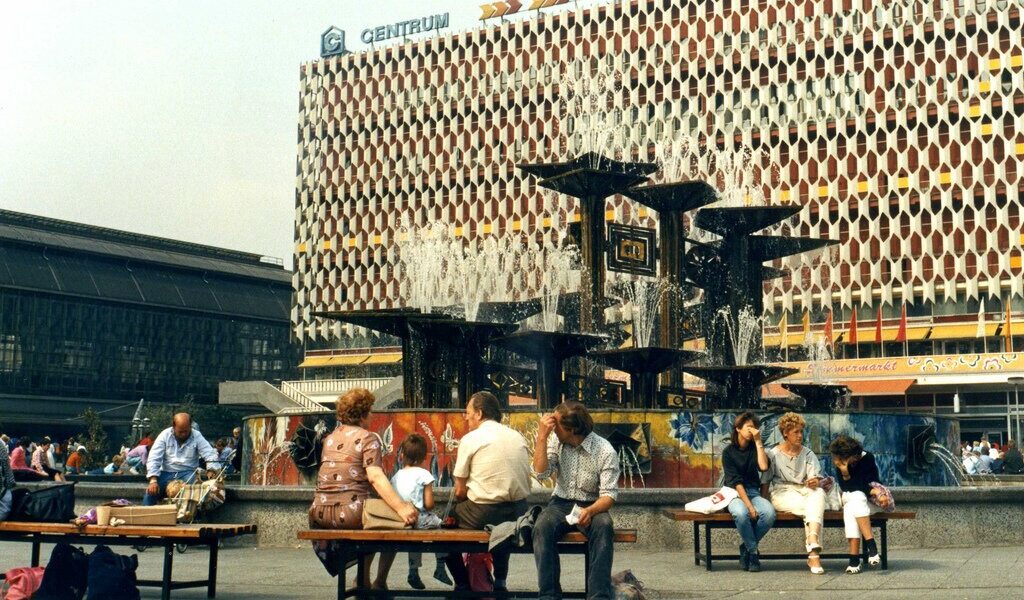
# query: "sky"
[176,119]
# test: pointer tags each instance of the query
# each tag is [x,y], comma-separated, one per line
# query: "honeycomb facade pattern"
[900,125]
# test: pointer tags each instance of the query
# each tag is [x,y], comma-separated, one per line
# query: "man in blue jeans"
[175,456]
[586,471]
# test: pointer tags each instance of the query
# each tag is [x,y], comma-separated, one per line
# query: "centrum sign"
[404,28]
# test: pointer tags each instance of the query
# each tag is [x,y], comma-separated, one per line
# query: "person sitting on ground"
[857,470]
[175,457]
[236,450]
[415,484]
[136,457]
[56,456]
[41,462]
[743,462]
[19,464]
[1013,461]
[984,463]
[492,480]
[114,467]
[7,483]
[795,474]
[223,454]
[586,469]
[76,462]
[350,471]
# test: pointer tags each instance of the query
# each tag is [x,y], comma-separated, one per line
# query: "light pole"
[1016,381]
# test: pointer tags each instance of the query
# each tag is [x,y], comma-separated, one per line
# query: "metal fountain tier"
[591,178]
[737,387]
[513,311]
[549,349]
[437,350]
[820,397]
[671,201]
[643,366]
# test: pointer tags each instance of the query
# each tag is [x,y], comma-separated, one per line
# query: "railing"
[304,402]
[333,386]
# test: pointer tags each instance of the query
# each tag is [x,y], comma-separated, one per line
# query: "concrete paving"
[955,573]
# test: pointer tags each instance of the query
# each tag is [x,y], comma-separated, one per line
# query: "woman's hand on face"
[409,513]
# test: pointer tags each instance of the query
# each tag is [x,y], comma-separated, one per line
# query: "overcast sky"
[175,119]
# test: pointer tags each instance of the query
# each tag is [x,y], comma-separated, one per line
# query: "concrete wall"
[946,517]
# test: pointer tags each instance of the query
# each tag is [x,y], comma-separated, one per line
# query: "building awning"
[384,358]
[880,387]
[339,360]
[866,335]
[961,332]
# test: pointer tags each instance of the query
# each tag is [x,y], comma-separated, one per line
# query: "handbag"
[54,504]
[378,515]
[713,503]
[21,583]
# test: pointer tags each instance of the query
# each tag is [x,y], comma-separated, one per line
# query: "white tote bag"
[713,503]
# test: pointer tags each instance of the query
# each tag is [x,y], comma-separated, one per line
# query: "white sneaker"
[875,560]
[852,570]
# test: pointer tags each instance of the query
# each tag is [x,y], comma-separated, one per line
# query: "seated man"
[492,480]
[175,456]
[587,477]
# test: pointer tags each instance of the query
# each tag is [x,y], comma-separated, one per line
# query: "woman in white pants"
[857,471]
[795,474]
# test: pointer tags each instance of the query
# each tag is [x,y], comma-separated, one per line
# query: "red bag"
[21,583]
[479,566]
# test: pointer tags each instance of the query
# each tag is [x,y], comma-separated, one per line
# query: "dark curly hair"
[845,447]
[354,406]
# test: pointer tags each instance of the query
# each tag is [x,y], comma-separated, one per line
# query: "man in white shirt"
[492,479]
[175,456]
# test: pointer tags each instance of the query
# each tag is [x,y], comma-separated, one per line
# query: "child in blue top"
[416,486]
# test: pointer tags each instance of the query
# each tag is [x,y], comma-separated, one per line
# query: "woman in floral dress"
[350,472]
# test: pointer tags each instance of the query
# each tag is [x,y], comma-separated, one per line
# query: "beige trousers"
[802,501]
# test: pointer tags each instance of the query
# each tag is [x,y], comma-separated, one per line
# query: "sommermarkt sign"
[332,41]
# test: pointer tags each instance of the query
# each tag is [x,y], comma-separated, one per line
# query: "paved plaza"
[266,573]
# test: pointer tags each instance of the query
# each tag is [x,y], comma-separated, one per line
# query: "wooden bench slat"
[170,531]
[678,514]
[622,536]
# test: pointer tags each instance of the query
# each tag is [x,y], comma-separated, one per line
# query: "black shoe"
[441,575]
[754,562]
[744,560]
[415,582]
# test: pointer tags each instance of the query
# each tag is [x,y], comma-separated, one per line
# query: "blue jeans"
[163,479]
[549,529]
[752,532]
[5,505]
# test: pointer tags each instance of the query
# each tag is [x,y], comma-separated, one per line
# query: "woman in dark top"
[857,470]
[743,461]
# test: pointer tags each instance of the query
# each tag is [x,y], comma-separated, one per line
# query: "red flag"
[828,329]
[852,338]
[901,333]
[878,326]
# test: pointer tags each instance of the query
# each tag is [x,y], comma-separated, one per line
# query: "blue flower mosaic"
[693,429]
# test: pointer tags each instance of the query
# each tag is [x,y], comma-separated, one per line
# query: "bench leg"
[707,546]
[696,544]
[342,571]
[885,546]
[211,577]
[586,573]
[165,587]
[36,549]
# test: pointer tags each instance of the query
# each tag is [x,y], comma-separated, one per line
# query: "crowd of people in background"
[42,459]
[983,458]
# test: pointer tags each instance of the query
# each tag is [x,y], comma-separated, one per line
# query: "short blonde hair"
[790,421]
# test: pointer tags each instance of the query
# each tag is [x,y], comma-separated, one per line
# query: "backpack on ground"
[66,574]
[112,576]
[20,583]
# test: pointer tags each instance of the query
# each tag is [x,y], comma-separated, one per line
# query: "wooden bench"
[138,535]
[783,520]
[359,542]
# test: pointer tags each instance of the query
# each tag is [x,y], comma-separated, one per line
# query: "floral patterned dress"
[342,485]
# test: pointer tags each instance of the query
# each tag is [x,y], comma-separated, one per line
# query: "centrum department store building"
[899,124]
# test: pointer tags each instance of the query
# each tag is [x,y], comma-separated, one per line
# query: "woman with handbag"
[795,478]
[350,473]
[862,497]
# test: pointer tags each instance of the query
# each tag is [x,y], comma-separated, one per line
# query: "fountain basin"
[590,160]
[591,183]
[742,220]
[673,197]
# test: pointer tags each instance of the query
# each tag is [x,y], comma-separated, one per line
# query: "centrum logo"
[332,42]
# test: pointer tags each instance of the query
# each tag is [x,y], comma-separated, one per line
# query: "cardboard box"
[166,514]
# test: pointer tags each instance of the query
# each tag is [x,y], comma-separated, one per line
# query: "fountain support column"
[592,248]
[672,247]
